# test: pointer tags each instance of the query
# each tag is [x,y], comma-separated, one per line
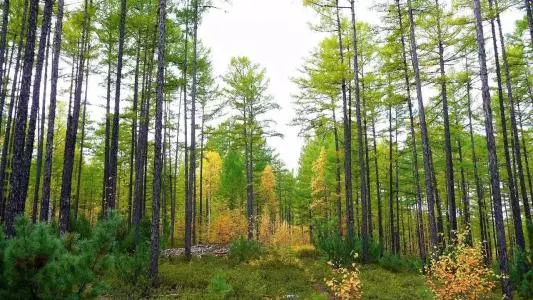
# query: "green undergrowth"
[277,274]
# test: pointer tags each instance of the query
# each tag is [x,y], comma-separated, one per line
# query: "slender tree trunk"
[112,178]
[45,205]
[17,201]
[82,143]
[337,172]
[134,131]
[464,193]
[192,169]
[72,128]
[378,186]
[450,187]
[391,185]
[40,146]
[347,138]
[157,151]
[362,167]
[420,218]
[514,126]
[515,205]
[3,46]
[426,148]
[493,159]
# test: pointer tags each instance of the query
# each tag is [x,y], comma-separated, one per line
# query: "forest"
[129,168]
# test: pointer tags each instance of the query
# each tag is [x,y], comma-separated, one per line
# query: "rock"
[198,250]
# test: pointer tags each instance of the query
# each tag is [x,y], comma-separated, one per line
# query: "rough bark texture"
[111,187]
[420,218]
[17,202]
[47,177]
[493,159]
[157,151]
[347,138]
[72,129]
[426,148]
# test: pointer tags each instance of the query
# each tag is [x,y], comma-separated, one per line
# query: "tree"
[157,150]
[246,88]
[493,159]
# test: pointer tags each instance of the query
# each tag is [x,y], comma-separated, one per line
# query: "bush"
[345,283]
[338,250]
[36,263]
[219,287]
[396,264]
[521,273]
[244,250]
[460,274]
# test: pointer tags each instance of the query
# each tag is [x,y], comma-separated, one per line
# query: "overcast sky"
[275,34]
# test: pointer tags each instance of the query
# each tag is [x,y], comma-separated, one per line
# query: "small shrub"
[397,264]
[219,287]
[460,274]
[521,273]
[345,283]
[244,250]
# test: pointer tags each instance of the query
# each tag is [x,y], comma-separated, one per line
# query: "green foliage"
[36,263]
[219,287]
[397,264]
[338,250]
[244,250]
[521,273]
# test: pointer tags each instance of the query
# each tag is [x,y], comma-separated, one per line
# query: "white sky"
[275,34]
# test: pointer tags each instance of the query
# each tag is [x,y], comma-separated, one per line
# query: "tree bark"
[17,201]
[426,148]
[72,128]
[157,151]
[45,205]
[493,159]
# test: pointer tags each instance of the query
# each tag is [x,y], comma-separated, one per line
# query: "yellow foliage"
[212,166]
[319,188]
[460,274]
[227,226]
[280,234]
[345,283]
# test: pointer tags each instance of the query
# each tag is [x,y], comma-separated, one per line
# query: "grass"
[279,274]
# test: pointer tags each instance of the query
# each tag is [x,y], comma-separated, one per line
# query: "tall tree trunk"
[134,131]
[450,187]
[365,224]
[426,148]
[72,128]
[192,161]
[40,146]
[464,193]
[47,177]
[3,46]
[7,136]
[337,171]
[17,202]
[391,186]
[113,151]
[514,127]
[347,138]
[515,205]
[420,218]
[157,151]
[82,143]
[493,159]
[378,186]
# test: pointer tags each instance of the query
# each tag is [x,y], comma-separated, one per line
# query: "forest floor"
[277,274]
